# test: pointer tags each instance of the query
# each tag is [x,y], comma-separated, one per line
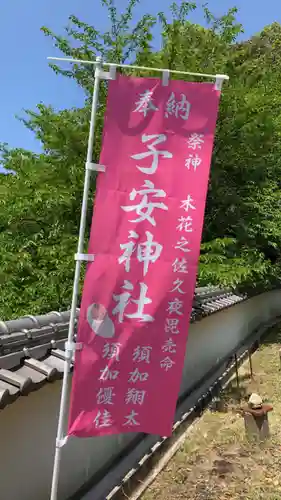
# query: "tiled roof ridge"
[32,331]
[32,347]
[30,322]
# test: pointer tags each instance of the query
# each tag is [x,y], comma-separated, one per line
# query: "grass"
[216,462]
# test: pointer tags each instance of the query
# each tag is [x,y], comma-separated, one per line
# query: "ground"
[216,462]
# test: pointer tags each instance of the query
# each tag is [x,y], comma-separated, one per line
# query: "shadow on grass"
[236,394]
[273,336]
[233,395]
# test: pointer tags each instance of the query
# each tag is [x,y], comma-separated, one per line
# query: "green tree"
[40,205]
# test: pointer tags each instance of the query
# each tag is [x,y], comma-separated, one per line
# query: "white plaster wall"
[28,426]
[213,337]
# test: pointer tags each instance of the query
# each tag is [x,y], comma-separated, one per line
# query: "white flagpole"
[60,441]
[141,68]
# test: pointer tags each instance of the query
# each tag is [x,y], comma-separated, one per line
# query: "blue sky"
[26,78]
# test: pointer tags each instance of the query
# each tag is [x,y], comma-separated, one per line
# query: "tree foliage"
[40,205]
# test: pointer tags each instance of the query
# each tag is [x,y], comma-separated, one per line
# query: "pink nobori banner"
[145,235]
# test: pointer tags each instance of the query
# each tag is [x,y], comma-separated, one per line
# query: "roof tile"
[16,379]
[41,367]
[38,379]
[55,362]
[7,394]
[31,348]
